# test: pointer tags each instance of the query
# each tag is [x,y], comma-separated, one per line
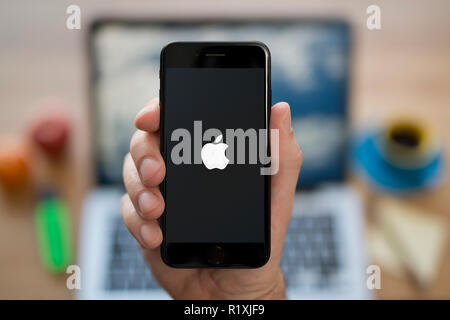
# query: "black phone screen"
[212,112]
[213,205]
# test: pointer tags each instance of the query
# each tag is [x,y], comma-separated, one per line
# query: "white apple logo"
[213,154]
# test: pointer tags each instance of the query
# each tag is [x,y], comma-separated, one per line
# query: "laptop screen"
[310,71]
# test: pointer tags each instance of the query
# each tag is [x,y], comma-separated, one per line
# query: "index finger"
[148,118]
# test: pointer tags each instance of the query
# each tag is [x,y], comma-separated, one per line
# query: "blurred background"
[379,99]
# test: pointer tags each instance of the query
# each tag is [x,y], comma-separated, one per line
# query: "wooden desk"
[404,68]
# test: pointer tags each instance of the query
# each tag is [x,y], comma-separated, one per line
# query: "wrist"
[278,291]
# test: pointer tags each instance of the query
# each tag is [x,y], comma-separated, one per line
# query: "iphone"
[215,102]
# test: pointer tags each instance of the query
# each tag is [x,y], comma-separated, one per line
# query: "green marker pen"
[53,232]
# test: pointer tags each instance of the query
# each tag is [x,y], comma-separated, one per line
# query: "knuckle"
[125,158]
[298,153]
[125,211]
[129,173]
[125,166]
[136,140]
[299,156]
[122,201]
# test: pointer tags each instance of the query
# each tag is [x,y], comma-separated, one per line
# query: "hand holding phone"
[144,170]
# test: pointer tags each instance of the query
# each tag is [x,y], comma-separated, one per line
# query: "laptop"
[323,255]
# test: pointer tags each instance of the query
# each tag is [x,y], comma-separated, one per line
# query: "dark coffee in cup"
[408,144]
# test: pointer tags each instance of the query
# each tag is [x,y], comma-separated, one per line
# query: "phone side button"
[215,254]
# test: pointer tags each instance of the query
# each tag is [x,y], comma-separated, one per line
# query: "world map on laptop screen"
[310,71]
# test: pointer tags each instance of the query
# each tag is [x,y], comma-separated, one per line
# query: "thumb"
[283,183]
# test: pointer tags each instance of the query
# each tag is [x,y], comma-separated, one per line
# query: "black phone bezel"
[215,55]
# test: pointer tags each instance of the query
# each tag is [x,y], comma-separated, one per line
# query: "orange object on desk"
[14,171]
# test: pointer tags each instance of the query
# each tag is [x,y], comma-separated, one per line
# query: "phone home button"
[215,254]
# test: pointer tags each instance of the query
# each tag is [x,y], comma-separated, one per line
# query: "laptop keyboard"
[127,268]
[310,256]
